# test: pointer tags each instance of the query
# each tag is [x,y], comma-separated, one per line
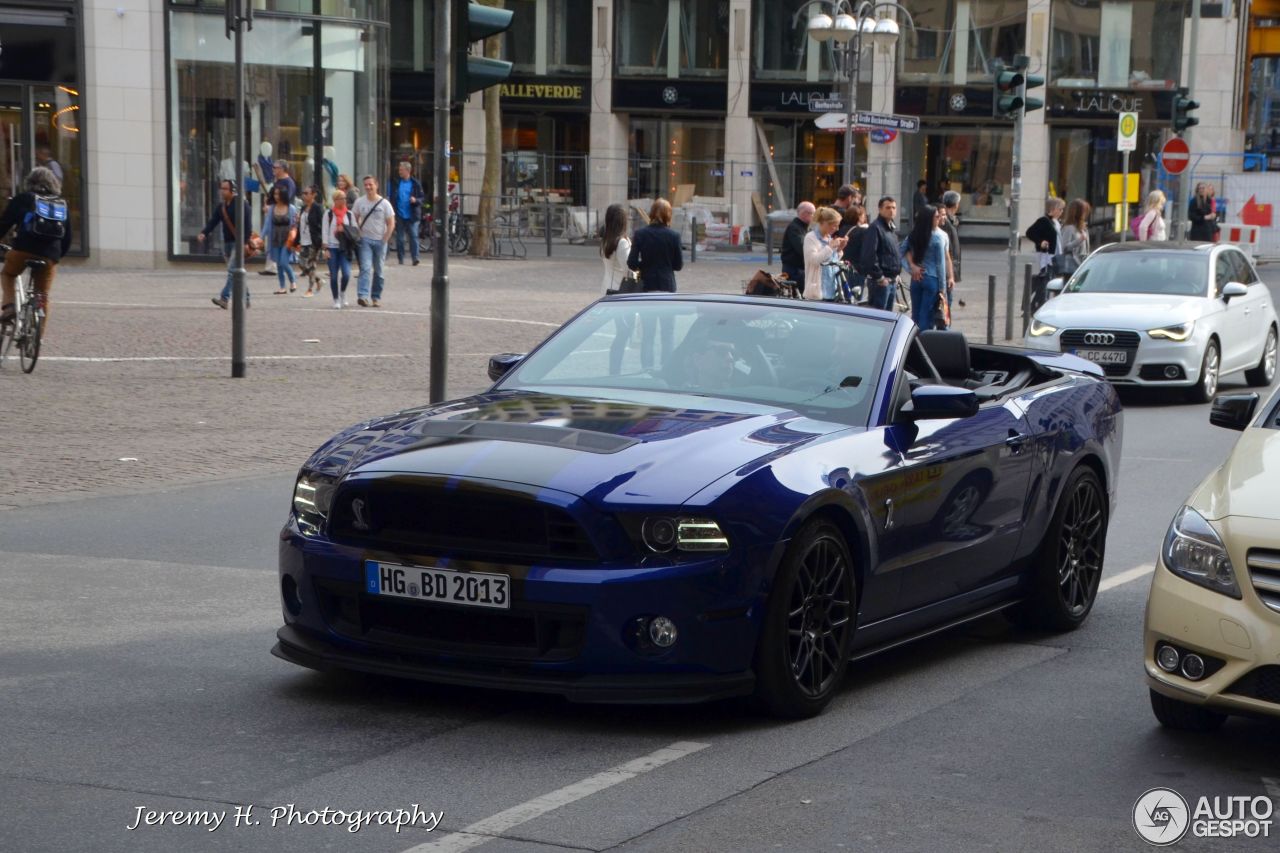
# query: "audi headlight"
[1173,333]
[312,497]
[664,534]
[1194,551]
[1039,329]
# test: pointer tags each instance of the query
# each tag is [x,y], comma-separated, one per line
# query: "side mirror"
[1233,411]
[500,365]
[1055,285]
[940,402]
[1234,288]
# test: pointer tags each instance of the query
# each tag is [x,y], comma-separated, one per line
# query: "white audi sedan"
[1164,314]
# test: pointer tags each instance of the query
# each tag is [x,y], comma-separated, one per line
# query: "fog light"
[290,595]
[1171,371]
[659,534]
[1193,667]
[1167,658]
[662,631]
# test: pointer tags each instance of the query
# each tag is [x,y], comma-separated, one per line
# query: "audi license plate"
[423,583]
[1103,356]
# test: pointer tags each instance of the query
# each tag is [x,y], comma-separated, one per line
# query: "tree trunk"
[489,188]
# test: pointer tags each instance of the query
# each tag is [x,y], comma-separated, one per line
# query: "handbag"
[348,242]
[1064,265]
[630,283]
[253,245]
[941,316]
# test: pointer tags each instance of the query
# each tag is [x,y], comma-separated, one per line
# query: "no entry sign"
[1175,156]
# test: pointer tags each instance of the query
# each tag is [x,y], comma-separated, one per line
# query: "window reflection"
[1127,44]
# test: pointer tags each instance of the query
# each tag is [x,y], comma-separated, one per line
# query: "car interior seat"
[949,352]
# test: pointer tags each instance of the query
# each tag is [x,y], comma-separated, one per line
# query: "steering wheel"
[759,361]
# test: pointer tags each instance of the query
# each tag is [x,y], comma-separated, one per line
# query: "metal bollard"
[693,239]
[768,241]
[1026,297]
[1008,311]
[546,223]
[991,309]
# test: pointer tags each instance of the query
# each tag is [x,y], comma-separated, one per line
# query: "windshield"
[817,363]
[1174,273]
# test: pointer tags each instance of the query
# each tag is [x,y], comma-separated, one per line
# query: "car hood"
[1137,311]
[605,450]
[1248,483]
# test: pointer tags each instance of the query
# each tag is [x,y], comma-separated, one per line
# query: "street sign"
[902,124]
[826,105]
[883,136]
[1116,187]
[1175,156]
[1127,132]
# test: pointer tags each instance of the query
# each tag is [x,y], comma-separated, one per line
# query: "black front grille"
[405,514]
[1262,683]
[527,632]
[1121,340]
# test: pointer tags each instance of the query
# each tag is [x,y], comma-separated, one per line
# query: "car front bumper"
[1243,634]
[1148,363]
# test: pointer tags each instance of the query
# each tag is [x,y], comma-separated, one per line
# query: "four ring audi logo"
[1102,338]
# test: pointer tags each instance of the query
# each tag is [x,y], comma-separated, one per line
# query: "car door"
[957,502]
[1254,309]
[1232,318]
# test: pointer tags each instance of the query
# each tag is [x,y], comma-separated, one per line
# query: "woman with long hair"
[283,219]
[1151,226]
[1203,215]
[929,259]
[336,220]
[1074,239]
[614,250]
[348,189]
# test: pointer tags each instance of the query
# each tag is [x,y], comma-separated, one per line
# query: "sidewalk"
[133,390]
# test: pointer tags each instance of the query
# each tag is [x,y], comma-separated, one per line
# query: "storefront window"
[676,159]
[641,27]
[704,41]
[1081,161]
[809,164]
[954,41]
[647,30]
[1125,44]
[971,161]
[568,49]
[363,10]
[779,51]
[280,93]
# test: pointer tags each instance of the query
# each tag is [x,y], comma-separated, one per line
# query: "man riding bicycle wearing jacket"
[29,245]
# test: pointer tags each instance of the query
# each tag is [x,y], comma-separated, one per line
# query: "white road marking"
[1125,577]
[485,830]
[373,312]
[61,302]
[102,359]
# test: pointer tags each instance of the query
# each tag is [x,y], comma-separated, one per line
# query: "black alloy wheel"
[1069,563]
[808,632]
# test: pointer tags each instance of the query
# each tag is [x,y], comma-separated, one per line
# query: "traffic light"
[1006,93]
[471,23]
[1182,107]
[1031,81]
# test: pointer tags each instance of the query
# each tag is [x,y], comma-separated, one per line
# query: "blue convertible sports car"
[679,498]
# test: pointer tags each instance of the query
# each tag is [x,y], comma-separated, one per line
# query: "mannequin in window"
[227,167]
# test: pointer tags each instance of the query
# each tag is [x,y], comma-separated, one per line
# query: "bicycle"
[27,326]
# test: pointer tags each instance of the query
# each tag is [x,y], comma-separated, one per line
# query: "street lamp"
[851,22]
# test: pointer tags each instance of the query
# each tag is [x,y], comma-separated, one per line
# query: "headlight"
[1173,333]
[312,497]
[1194,551]
[663,534]
[1039,329]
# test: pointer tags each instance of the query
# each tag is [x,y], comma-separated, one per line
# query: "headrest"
[949,352]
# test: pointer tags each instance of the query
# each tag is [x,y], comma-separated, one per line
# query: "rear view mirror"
[1233,411]
[1055,285]
[1234,288]
[500,365]
[936,402]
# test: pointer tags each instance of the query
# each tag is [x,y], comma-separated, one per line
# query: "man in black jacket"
[225,215]
[792,254]
[881,262]
[42,189]
[406,196]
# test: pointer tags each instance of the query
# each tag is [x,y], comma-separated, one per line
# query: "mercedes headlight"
[1039,329]
[312,497]
[1194,551]
[1173,333]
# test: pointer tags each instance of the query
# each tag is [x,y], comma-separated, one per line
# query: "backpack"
[1135,225]
[48,219]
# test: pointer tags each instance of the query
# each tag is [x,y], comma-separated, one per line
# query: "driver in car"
[710,366]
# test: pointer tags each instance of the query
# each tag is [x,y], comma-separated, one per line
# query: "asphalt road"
[136,679]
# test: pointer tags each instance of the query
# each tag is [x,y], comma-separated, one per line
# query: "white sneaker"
[337,303]
[345,302]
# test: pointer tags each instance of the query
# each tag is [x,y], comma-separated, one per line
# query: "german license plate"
[1104,356]
[423,583]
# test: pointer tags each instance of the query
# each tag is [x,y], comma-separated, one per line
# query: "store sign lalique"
[1108,103]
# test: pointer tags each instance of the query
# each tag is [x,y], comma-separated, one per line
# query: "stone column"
[741,151]
[1035,133]
[469,152]
[884,162]
[607,166]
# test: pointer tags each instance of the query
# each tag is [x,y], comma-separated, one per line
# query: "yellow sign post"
[1124,190]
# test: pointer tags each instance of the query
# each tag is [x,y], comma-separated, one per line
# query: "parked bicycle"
[457,228]
[27,326]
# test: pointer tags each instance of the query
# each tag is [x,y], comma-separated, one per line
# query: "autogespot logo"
[1160,816]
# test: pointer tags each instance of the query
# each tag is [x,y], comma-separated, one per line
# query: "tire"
[424,238]
[807,634]
[460,240]
[29,347]
[1068,563]
[1183,716]
[1207,383]
[1262,375]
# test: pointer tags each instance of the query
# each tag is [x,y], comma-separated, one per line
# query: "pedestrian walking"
[1203,215]
[310,237]
[282,182]
[880,261]
[951,225]
[376,219]
[39,237]
[1152,226]
[821,246]
[348,189]
[921,199]
[657,257]
[792,254]
[407,194]
[224,214]
[615,248]
[929,260]
[1074,238]
[1044,232]
[338,244]
[846,197]
[283,220]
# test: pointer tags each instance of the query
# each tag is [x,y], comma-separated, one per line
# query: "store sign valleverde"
[542,92]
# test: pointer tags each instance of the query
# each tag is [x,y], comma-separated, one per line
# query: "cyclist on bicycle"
[44,234]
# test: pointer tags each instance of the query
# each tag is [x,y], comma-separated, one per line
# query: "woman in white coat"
[820,246]
[614,249]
